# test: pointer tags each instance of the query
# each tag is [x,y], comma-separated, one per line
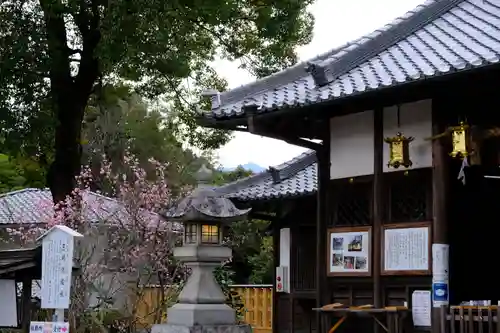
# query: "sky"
[337,22]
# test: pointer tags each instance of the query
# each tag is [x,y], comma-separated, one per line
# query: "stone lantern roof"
[205,205]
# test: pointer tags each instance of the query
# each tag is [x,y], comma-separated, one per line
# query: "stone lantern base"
[171,328]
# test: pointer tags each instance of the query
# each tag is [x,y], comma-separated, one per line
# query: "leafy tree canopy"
[54,54]
[18,173]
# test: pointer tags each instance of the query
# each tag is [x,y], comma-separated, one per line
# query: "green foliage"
[263,263]
[53,52]
[121,119]
[18,173]
[224,177]
[252,251]
[224,275]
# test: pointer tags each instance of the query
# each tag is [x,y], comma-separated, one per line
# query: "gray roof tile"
[297,177]
[434,39]
[33,206]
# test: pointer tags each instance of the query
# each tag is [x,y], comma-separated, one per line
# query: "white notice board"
[57,265]
[406,249]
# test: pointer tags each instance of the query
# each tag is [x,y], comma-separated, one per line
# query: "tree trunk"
[66,165]
[69,93]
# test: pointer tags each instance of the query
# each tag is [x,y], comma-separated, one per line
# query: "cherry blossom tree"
[127,245]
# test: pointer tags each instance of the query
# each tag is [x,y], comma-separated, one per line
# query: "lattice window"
[353,204]
[409,197]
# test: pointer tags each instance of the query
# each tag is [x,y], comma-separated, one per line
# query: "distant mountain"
[255,168]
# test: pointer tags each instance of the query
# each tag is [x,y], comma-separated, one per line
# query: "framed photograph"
[406,249]
[349,251]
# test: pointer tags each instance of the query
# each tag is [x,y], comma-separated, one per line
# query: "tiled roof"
[32,206]
[297,177]
[436,38]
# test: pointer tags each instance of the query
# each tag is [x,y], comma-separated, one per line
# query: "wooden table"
[390,319]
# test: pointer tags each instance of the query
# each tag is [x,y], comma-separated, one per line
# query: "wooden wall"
[407,198]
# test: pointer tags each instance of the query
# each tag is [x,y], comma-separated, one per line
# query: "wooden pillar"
[26,304]
[439,198]
[276,262]
[322,215]
[378,203]
[292,273]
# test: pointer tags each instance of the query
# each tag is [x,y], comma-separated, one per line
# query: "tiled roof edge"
[286,170]
[280,78]
[28,189]
[328,70]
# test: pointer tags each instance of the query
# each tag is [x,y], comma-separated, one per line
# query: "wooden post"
[439,192]
[378,202]
[322,215]
[291,282]
[276,262]
[26,303]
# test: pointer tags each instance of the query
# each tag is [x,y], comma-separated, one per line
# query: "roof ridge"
[327,70]
[284,76]
[316,64]
[299,165]
[27,189]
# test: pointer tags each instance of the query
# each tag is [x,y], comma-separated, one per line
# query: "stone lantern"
[201,305]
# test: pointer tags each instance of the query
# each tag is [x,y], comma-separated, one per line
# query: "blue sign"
[440,292]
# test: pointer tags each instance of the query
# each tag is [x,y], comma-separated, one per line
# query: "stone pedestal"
[169,328]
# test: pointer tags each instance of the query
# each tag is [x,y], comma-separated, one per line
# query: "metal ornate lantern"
[399,153]
[460,140]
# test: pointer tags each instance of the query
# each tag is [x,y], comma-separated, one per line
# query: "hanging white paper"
[440,261]
[421,308]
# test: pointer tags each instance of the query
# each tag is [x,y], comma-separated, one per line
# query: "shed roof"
[434,39]
[33,206]
[295,178]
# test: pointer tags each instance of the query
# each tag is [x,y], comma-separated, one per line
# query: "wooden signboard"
[349,251]
[406,249]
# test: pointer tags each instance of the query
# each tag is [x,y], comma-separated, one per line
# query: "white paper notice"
[440,263]
[421,308]
[57,262]
[406,249]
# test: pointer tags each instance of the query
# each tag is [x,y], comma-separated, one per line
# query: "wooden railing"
[469,319]
[257,301]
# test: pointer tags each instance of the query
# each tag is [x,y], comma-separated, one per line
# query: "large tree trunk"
[66,165]
[69,93]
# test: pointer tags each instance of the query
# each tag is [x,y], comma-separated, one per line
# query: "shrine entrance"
[473,218]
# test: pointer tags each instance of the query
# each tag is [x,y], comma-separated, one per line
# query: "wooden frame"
[367,253]
[412,225]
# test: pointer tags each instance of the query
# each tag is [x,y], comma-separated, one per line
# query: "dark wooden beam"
[276,262]
[322,216]
[290,137]
[378,203]
[263,216]
[439,186]
[26,303]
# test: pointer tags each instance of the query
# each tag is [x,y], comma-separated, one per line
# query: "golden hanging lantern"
[460,140]
[399,152]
